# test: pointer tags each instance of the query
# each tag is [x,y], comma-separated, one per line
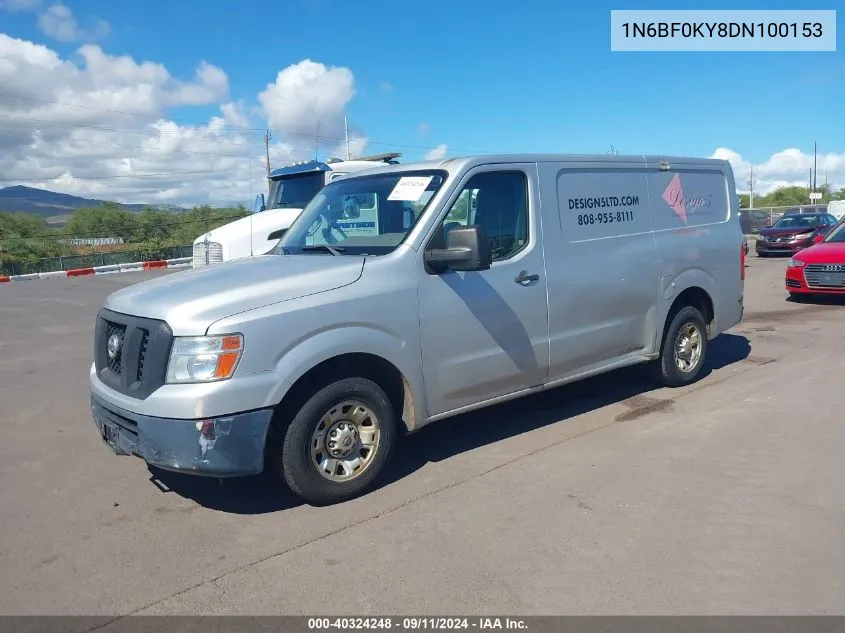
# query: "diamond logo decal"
[674,197]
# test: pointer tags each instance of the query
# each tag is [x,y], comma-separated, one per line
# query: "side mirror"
[818,238]
[467,249]
[259,203]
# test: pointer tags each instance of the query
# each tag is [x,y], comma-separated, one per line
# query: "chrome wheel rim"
[345,441]
[688,348]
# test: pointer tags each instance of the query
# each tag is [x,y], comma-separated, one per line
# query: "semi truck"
[291,188]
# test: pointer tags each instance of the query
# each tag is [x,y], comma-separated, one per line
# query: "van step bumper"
[230,446]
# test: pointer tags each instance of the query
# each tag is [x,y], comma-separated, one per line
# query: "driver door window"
[496,201]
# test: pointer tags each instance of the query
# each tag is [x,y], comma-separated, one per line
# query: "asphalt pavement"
[607,496]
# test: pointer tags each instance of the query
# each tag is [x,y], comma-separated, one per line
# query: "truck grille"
[825,275]
[210,253]
[140,350]
[115,329]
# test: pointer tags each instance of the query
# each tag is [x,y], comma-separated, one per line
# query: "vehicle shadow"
[819,300]
[263,493]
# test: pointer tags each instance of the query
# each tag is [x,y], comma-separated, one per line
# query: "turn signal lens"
[204,358]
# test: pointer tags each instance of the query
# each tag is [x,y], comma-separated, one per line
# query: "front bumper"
[223,446]
[781,247]
[795,283]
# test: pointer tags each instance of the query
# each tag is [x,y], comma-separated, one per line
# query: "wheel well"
[699,299]
[359,365]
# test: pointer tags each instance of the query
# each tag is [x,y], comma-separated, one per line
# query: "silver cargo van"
[512,274]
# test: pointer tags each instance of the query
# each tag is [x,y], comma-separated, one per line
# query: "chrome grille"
[115,364]
[825,275]
[140,366]
[214,250]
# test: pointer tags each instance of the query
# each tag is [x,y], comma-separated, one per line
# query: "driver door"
[484,334]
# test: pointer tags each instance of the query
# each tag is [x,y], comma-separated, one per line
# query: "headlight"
[204,358]
[795,263]
[802,236]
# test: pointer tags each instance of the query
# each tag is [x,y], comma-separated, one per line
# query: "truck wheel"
[339,441]
[684,349]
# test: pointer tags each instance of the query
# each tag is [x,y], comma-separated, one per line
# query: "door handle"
[524,277]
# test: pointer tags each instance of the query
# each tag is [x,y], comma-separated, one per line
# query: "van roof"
[468,162]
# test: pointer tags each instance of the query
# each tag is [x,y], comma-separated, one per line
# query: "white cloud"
[13,6]
[423,128]
[790,167]
[59,23]
[386,86]
[308,100]
[99,124]
[437,153]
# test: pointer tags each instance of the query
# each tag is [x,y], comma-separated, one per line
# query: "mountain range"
[56,207]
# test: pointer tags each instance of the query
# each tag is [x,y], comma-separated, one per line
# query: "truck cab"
[291,188]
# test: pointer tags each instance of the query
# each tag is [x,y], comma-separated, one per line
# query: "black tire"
[297,468]
[665,369]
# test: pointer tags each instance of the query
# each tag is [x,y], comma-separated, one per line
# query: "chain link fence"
[94,259]
[754,219]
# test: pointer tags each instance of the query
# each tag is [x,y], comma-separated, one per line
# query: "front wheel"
[684,349]
[339,442]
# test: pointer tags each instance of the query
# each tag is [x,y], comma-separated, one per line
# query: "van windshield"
[362,215]
[295,191]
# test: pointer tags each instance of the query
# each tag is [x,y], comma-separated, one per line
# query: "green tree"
[107,220]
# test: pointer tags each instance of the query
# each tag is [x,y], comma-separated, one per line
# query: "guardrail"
[109,269]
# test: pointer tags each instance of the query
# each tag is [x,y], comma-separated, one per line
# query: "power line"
[104,128]
[63,236]
[153,175]
[283,133]
[147,147]
[123,112]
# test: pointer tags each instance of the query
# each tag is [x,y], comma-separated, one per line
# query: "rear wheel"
[683,350]
[339,442]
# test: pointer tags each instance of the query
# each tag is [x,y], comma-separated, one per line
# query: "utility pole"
[815,168]
[751,188]
[346,129]
[267,138]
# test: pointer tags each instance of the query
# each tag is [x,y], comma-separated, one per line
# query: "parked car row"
[793,232]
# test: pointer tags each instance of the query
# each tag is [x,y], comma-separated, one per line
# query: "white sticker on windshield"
[410,188]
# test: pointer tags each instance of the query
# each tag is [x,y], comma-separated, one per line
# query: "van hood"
[191,300]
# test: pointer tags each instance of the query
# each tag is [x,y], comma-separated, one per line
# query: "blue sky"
[492,76]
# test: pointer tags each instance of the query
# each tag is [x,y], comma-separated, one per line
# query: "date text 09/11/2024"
[416,623]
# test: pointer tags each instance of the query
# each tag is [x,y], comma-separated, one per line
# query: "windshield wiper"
[334,250]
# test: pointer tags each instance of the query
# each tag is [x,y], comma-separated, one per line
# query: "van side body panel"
[602,264]
[695,218]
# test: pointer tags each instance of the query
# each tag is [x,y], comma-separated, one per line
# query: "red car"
[792,233]
[819,269]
